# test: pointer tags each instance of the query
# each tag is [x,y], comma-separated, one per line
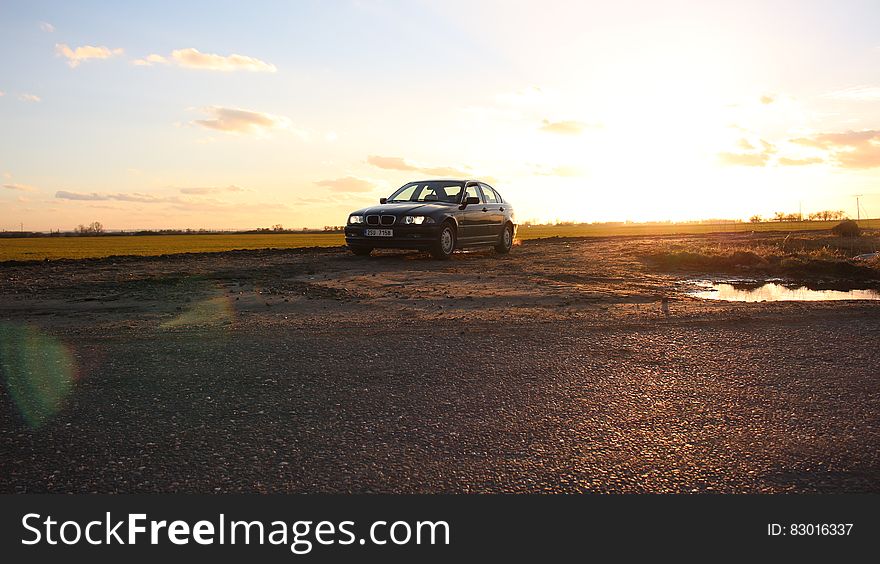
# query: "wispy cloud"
[754,153]
[19,187]
[347,184]
[202,190]
[150,60]
[235,120]
[849,149]
[46,27]
[398,163]
[84,53]
[767,99]
[744,159]
[29,98]
[562,170]
[786,161]
[856,93]
[568,127]
[194,59]
[121,197]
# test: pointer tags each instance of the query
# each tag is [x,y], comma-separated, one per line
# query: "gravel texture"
[552,369]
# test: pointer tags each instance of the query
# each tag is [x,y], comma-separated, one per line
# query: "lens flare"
[215,311]
[37,370]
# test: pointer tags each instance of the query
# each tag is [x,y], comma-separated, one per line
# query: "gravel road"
[553,369]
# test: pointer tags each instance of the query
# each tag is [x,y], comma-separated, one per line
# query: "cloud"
[390,163]
[194,59]
[849,149]
[856,93]
[150,60]
[563,170]
[767,99]
[746,144]
[347,184]
[398,163]
[2,93]
[744,159]
[234,120]
[99,197]
[19,187]
[785,161]
[211,189]
[76,56]
[29,98]
[47,27]
[564,127]
[755,153]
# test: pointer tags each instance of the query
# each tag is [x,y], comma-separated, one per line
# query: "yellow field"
[39,248]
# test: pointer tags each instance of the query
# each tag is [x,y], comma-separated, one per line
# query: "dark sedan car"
[435,215]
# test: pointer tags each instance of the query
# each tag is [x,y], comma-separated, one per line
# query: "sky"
[237,115]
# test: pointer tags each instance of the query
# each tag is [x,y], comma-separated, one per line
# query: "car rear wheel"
[361,251]
[445,244]
[505,240]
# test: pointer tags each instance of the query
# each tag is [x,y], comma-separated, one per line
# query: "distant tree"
[756,219]
[778,216]
[93,228]
[277,227]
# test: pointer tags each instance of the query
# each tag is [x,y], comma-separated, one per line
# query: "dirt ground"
[552,369]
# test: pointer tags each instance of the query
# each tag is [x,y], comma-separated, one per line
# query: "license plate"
[379,232]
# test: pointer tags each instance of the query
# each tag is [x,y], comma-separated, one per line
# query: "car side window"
[489,194]
[472,191]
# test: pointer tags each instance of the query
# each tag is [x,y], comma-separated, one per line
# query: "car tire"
[445,244]
[362,251]
[505,240]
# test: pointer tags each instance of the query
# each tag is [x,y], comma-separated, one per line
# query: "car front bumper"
[405,236]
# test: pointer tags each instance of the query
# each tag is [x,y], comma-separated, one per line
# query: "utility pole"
[858,208]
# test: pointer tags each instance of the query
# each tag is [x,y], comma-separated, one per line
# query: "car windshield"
[431,191]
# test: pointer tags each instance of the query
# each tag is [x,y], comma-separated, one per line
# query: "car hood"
[404,208]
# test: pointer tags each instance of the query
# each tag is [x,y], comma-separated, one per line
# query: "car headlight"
[355,219]
[417,219]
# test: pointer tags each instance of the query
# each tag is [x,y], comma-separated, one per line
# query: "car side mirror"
[471,200]
[383,200]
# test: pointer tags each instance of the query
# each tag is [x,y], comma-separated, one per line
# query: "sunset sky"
[248,114]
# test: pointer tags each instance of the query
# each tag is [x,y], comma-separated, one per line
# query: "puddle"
[776,292]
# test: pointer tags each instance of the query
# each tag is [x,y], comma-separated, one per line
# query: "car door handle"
[485,209]
[500,209]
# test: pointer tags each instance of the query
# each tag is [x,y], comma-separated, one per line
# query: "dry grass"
[792,256]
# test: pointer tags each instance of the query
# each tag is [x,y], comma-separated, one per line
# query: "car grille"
[380,220]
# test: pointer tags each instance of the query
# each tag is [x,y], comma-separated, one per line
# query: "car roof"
[465,180]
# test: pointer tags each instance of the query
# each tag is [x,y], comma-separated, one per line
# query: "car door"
[471,217]
[494,212]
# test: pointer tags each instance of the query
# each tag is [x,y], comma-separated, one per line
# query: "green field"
[39,248]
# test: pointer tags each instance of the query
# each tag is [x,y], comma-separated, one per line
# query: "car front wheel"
[445,244]
[505,240]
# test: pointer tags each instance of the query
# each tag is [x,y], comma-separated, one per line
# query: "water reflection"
[773,292]
[37,370]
